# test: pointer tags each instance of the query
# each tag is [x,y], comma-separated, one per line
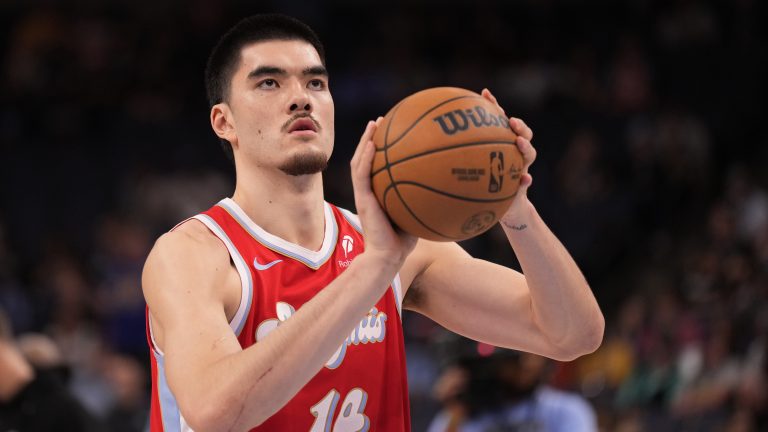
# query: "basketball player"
[277,311]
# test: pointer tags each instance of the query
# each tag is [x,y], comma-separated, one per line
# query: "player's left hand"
[524,137]
[381,237]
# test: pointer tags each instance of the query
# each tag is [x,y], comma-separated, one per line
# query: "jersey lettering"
[372,329]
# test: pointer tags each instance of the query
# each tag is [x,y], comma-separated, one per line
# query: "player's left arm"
[548,310]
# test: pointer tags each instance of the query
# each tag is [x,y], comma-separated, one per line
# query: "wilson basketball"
[446,166]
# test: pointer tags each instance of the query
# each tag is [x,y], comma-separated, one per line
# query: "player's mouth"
[304,126]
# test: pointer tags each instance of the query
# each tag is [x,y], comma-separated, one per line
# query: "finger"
[361,174]
[365,201]
[520,128]
[370,128]
[525,182]
[488,95]
[527,150]
[362,171]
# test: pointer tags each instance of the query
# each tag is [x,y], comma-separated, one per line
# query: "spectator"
[507,391]
[32,396]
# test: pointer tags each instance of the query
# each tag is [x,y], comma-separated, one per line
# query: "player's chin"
[305,162]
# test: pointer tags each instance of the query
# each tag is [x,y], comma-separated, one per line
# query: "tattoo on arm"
[515,227]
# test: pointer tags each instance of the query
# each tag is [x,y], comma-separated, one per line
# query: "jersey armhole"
[246,280]
[152,342]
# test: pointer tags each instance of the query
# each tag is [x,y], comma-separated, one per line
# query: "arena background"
[651,170]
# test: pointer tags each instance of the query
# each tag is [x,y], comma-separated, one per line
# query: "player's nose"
[299,100]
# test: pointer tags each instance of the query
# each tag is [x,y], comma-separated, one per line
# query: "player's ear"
[223,122]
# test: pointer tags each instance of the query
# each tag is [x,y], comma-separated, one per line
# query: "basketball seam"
[415,122]
[437,150]
[392,181]
[450,195]
[393,187]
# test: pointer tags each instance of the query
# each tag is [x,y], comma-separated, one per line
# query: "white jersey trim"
[352,218]
[152,336]
[173,420]
[246,282]
[312,259]
[397,290]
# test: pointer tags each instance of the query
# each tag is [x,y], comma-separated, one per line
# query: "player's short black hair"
[225,56]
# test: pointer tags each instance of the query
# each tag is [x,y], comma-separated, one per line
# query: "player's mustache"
[295,117]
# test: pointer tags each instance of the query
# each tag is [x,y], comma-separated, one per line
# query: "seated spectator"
[33,396]
[507,392]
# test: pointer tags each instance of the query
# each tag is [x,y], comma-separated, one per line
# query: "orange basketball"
[446,165]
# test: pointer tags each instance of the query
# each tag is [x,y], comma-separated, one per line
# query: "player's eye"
[316,84]
[268,83]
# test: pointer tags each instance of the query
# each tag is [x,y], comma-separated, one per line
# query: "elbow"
[205,415]
[593,336]
[219,414]
[586,341]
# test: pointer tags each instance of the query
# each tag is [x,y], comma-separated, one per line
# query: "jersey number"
[351,417]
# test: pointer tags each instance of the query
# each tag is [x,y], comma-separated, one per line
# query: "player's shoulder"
[189,247]
[192,236]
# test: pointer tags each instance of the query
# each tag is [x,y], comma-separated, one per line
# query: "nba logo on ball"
[447,166]
[496,176]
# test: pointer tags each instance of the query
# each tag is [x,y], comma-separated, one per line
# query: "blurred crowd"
[646,116]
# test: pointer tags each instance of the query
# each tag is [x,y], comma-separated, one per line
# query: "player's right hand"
[381,237]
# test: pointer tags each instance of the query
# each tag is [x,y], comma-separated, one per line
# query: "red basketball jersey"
[363,385]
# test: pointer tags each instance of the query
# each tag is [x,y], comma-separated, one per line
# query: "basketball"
[446,166]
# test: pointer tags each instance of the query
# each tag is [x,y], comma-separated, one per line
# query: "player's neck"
[290,207]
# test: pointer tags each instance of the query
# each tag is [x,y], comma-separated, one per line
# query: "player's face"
[281,107]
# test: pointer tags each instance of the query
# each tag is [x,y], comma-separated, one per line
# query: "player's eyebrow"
[274,70]
[266,70]
[315,70]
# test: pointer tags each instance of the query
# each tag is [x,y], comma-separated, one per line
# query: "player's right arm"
[218,385]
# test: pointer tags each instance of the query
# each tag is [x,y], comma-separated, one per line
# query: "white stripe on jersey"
[312,259]
[246,282]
